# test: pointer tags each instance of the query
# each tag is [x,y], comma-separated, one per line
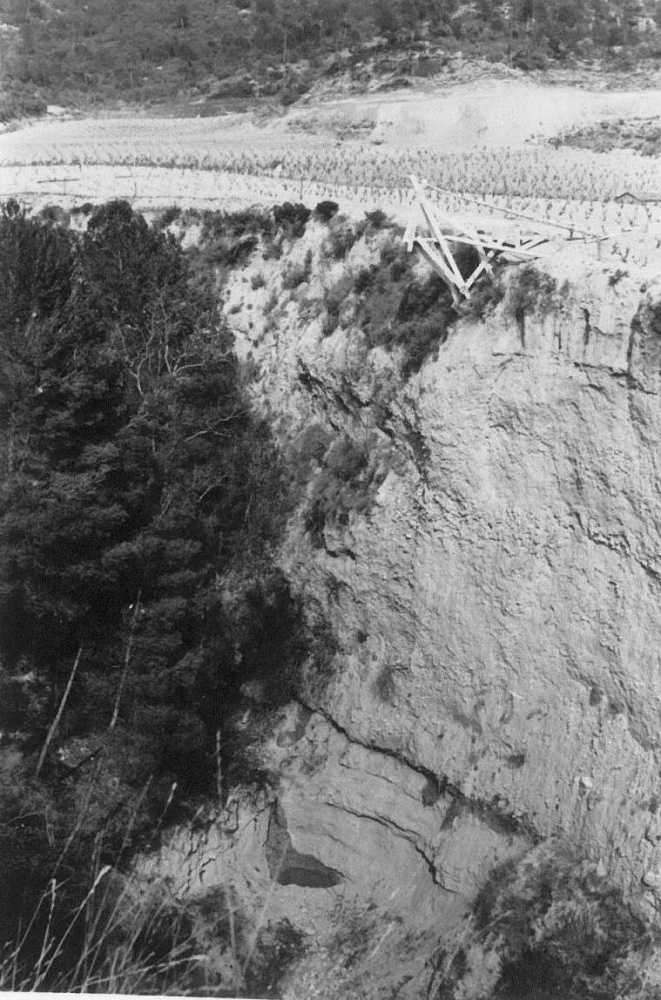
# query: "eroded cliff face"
[496,605]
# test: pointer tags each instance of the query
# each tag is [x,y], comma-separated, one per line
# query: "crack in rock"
[397,831]
[492,813]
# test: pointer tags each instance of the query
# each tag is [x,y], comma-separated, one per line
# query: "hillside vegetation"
[139,50]
[140,500]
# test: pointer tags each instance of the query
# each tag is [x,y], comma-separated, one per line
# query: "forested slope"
[140,50]
[139,503]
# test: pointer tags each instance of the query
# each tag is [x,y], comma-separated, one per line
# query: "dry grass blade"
[58,715]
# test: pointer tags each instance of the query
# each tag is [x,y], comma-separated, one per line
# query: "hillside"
[328,607]
[231,54]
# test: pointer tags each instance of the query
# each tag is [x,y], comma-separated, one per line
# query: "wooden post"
[438,264]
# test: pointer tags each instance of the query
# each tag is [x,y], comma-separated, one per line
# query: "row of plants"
[574,193]
[534,173]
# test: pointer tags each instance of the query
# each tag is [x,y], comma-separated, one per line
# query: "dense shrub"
[563,929]
[235,225]
[167,217]
[17,102]
[228,239]
[421,339]
[346,484]
[325,210]
[397,310]
[532,291]
[341,237]
[334,298]
[530,60]
[237,253]
[418,297]
[373,221]
[296,274]
[364,279]
[294,89]
[485,296]
[292,219]
[272,247]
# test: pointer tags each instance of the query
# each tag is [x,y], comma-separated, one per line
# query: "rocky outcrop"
[495,604]
[287,865]
[507,575]
[355,848]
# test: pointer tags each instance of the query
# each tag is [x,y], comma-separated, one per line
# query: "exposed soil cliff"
[487,549]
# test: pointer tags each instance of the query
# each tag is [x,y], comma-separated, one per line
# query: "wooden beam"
[440,230]
[490,244]
[436,260]
[477,240]
[439,265]
[510,211]
[435,228]
[482,266]
[409,233]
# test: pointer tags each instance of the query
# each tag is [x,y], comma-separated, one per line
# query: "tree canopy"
[135,479]
[143,50]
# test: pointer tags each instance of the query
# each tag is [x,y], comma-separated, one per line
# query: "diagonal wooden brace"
[428,212]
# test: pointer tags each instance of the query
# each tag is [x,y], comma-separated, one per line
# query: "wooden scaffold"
[433,233]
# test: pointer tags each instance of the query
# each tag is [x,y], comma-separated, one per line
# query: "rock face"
[287,865]
[356,850]
[510,582]
[497,607]
[514,585]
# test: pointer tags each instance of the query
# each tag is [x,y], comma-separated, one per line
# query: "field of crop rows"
[536,172]
[199,167]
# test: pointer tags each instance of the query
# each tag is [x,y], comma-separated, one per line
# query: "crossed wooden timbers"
[435,231]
